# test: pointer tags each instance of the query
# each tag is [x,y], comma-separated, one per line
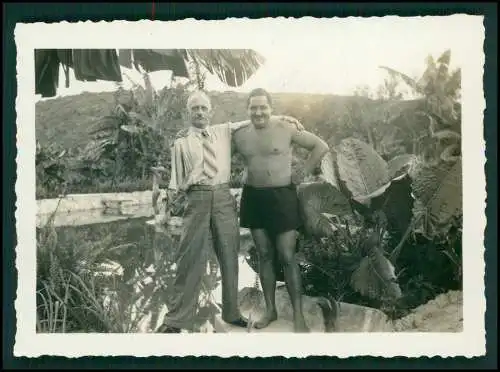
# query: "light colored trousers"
[209,211]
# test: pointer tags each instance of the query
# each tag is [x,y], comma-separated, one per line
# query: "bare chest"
[263,142]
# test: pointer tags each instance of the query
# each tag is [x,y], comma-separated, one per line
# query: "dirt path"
[443,314]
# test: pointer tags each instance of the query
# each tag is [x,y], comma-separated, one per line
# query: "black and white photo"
[304,186]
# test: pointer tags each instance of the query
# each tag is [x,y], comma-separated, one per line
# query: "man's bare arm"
[314,144]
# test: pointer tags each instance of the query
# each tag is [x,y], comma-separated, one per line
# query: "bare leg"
[285,243]
[267,276]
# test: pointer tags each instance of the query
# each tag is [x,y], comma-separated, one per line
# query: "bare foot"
[266,319]
[299,326]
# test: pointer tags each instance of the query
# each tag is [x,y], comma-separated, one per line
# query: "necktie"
[209,163]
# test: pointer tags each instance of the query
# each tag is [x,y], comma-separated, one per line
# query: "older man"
[201,163]
[269,204]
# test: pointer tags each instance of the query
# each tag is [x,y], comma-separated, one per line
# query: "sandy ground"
[443,314]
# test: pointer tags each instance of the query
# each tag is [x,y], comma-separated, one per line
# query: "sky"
[332,60]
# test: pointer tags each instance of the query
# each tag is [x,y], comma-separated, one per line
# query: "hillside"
[65,121]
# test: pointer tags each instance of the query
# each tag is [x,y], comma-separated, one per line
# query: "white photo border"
[242,33]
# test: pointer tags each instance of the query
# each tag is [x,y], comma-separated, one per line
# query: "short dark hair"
[258,92]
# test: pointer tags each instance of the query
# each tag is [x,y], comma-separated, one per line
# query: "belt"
[209,187]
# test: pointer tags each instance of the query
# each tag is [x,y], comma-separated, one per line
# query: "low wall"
[82,209]
[91,216]
[86,202]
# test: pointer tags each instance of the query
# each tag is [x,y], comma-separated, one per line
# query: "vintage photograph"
[299,177]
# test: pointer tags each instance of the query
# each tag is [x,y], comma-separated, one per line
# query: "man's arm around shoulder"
[229,128]
[289,122]
[233,127]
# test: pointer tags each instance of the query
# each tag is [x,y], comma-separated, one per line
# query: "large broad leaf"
[398,165]
[397,205]
[438,197]
[375,277]
[363,170]
[328,170]
[451,153]
[316,199]
[447,134]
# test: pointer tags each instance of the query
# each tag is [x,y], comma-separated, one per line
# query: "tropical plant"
[51,169]
[437,170]
[433,167]
[388,91]
[139,129]
[232,66]
[366,196]
[437,190]
[440,89]
[135,135]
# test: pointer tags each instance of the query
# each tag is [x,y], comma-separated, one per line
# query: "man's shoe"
[167,329]
[240,322]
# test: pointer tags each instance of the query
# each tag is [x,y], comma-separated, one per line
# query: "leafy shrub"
[51,169]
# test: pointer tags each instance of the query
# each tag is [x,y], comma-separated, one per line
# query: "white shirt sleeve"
[176,167]
[237,125]
[230,127]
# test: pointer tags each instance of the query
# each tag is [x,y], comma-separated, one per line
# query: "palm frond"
[232,66]
[445,58]
[408,80]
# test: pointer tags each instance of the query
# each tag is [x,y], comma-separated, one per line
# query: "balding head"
[198,97]
[199,108]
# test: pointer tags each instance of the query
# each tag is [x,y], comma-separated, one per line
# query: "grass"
[49,319]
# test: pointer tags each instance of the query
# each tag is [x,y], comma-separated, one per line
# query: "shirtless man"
[269,204]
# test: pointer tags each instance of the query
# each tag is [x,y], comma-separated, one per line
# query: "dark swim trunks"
[275,209]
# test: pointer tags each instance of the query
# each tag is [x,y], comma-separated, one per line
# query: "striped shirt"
[187,155]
